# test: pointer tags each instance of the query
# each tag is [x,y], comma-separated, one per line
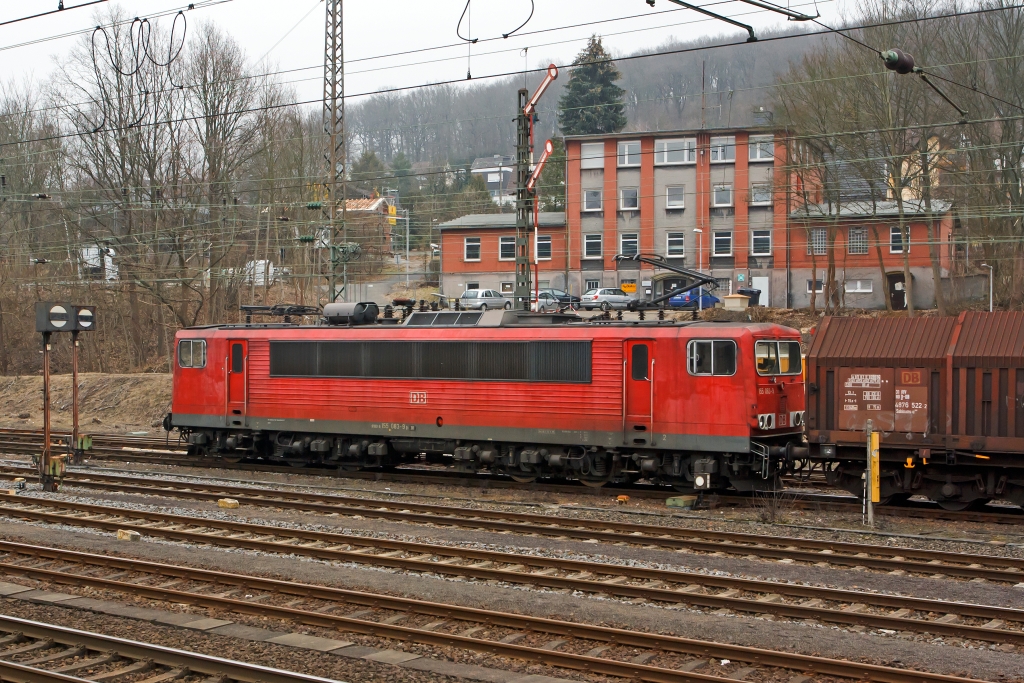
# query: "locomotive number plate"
[418,397]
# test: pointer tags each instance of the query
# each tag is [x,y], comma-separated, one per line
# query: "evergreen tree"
[370,171]
[591,102]
[401,168]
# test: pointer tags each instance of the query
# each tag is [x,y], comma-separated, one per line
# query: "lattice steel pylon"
[335,153]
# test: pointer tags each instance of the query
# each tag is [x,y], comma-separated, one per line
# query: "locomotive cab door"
[638,393]
[235,371]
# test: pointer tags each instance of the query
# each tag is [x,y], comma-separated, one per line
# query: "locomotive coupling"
[789,452]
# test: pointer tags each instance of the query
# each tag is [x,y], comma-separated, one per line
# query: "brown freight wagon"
[947,395]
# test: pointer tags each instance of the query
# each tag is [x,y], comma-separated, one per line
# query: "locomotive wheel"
[523,479]
[593,483]
[233,460]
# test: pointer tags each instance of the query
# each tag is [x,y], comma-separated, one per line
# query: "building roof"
[371,204]
[502,221]
[687,132]
[481,163]
[886,209]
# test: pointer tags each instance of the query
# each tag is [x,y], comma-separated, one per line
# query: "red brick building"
[722,201]
[478,251]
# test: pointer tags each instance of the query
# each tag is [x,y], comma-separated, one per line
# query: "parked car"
[563,297]
[692,299]
[483,299]
[549,303]
[605,299]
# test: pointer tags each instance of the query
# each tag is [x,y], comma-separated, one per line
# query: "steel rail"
[165,656]
[583,578]
[597,665]
[12,672]
[774,547]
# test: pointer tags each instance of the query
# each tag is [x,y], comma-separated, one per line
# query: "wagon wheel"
[523,479]
[593,483]
[233,459]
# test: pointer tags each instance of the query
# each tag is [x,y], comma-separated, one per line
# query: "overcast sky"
[289,34]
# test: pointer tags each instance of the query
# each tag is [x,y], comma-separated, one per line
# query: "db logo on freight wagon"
[418,397]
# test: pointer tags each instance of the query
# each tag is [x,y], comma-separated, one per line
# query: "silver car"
[483,299]
[549,303]
[605,299]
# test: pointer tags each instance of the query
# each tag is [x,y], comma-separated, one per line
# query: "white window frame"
[633,237]
[820,284]
[502,241]
[593,238]
[863,247]
[754,146]
[679,237]
[544,239]
[858,286]
[600,201]
[596,285]
[622,199]
[715,234]
[662,148]
[894,230]
[714,194]
[592,155]
[753,194]
[668,195]
[723,149]
[627,150]
[472,285]
[817,242]
[494,177]
[466,243]
[762,234]
[507,287]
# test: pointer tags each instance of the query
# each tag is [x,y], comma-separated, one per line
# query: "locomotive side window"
[712,357]
[777,358]
[640,363]
[192,353]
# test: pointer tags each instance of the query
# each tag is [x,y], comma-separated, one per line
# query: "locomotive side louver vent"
[540,361]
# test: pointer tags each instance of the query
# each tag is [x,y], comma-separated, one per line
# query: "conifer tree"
[591,102]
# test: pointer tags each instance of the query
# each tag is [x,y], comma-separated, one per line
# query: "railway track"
[34,652]
[843,554]
[595,649]
[149,450]
[747,596]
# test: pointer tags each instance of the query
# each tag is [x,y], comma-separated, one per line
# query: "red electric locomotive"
[698,405]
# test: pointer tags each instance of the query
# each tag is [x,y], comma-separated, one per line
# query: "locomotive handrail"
[659,261]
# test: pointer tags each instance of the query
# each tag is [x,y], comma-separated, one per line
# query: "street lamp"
[700,262]
[700,248]
[990,274]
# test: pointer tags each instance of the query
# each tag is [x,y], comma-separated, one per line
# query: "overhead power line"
[60,8]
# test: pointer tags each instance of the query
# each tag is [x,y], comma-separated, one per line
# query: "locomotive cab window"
[777,358]
[711,357]
[192,353]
